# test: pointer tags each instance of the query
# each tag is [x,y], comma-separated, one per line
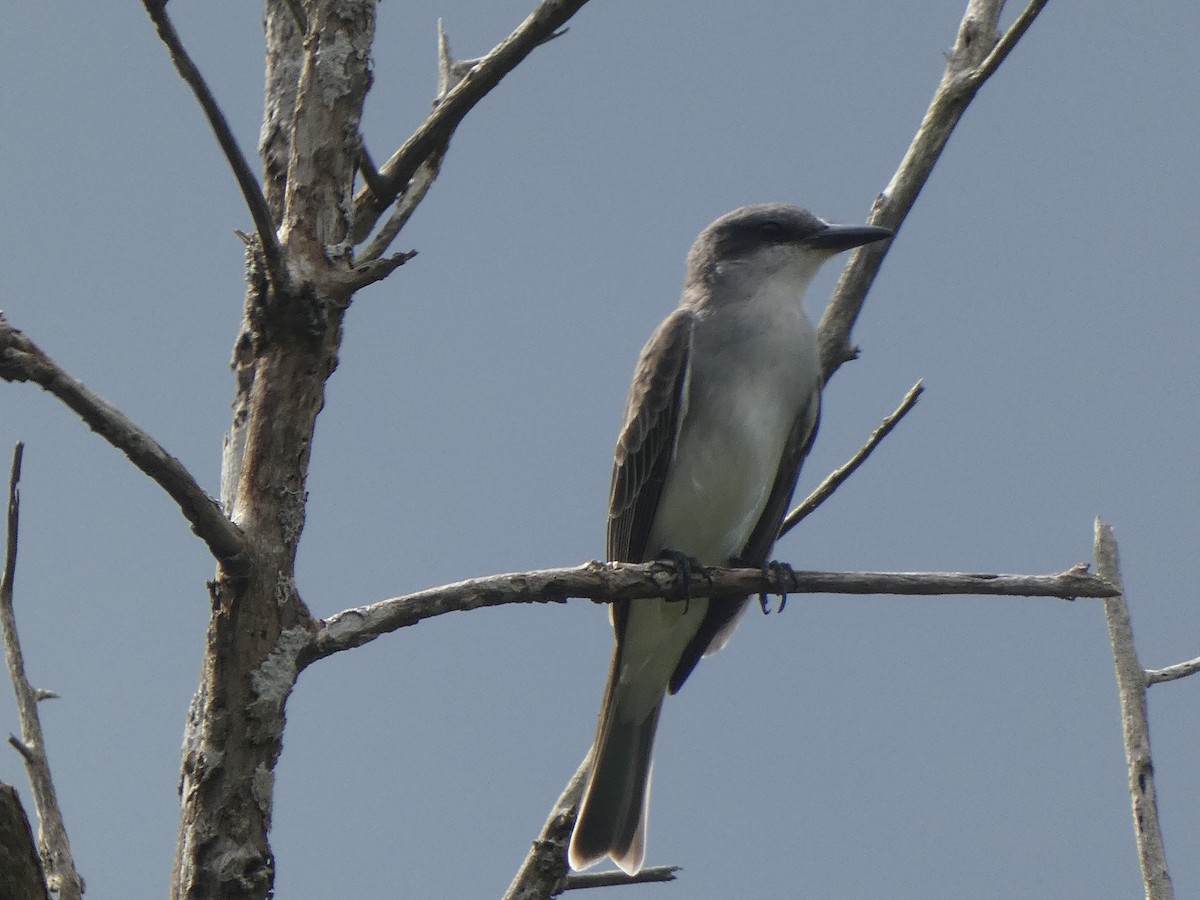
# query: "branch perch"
[61,875]
[631,581]
[22,360]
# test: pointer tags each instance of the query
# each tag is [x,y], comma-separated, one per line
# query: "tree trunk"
[287,349]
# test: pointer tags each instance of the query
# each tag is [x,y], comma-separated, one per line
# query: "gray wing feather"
[656,402]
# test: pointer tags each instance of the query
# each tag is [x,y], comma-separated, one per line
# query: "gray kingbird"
[722,411]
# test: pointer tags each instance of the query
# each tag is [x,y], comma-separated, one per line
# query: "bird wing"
[657,400]
[804,431]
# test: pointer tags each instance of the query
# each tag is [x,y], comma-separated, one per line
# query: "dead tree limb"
[53,846]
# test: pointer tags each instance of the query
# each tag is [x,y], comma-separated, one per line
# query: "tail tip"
[581,855]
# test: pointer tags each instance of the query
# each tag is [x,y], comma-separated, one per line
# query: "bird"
[723,408]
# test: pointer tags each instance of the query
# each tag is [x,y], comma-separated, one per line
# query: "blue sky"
[1044,288]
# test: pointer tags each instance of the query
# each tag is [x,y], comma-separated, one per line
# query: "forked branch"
[429,141]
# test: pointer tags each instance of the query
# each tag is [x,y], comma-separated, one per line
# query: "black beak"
[837,238]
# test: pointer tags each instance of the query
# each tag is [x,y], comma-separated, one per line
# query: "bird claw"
[778,569]
[685,567]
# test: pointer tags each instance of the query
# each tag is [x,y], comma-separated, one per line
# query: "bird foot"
[685,567]
[778,569]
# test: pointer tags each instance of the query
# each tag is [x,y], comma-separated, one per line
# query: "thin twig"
[17,744]
[1135,725]
[451,71]
[579,881]
[22,360]
[61,875]
[1172,673]
[368,271]
[14,515]
[251,192]
[418,187]
[975,57]
[1006,44]
[631,581]
[432,138]
[835,479]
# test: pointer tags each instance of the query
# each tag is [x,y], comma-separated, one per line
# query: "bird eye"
[771,229]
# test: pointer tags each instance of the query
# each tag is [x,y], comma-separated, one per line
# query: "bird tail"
[616,802]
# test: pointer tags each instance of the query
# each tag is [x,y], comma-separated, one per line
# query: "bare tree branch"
[418,187]
[366,168]
[14,515]
[1135,726]
[22,360]
[977,53]
[1172,673]
[839,475]
[451,72]
[251,192]
[1006,43]
[61,875]
[432,138]
[631,581]
[544,869]
[654,874]
[366,273]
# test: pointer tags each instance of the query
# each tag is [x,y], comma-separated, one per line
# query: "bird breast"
[753,367]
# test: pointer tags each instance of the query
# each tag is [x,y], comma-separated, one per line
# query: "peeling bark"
[286,351]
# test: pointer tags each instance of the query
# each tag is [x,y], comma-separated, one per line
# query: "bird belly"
[719,481]
[725,464]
